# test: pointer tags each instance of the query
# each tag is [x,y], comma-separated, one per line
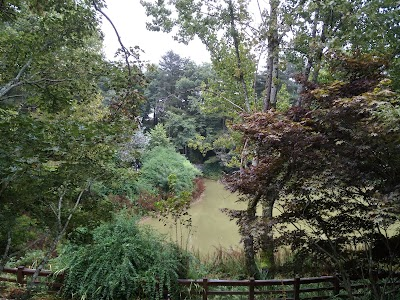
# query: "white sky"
[130,19]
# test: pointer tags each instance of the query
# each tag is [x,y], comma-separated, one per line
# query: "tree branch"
[123,48]
[229,101]
[16,81]
[60,233]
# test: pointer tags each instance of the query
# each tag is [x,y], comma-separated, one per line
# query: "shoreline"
[193,202]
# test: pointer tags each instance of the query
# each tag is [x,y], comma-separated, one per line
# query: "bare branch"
[61,233]
[16,81]
[229,101]
[123,48]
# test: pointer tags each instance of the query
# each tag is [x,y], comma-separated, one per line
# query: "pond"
[211,228]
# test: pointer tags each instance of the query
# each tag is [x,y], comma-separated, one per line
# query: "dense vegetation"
[123,261]
[299,108]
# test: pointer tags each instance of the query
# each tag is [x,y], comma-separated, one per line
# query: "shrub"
[123,262]
[159,164]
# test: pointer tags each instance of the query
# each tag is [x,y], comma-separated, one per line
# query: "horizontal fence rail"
[289,289]
[21,273]
[312,288]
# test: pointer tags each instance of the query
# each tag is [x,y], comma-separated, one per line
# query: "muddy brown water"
[210,228]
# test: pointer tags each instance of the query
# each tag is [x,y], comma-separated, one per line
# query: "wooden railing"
[290,289]
[22,273]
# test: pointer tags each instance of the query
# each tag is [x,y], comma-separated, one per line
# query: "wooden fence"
[289,289]
[21,273]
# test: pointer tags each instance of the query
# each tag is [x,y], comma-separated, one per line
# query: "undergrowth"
[124,261]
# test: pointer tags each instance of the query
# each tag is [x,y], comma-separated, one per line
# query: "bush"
[123,262]
[159,164]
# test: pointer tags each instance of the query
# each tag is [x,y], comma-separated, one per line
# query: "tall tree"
[58,132]
[350,197]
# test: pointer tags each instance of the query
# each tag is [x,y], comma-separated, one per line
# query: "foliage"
[158,138]
[42,160]
[131,151]
[171,85]
[46,71]
[175,99]
[343,205]
[284,99]
[181,129]
[222,29]
[158,165]
[367,27]
[124,261]
[62,111]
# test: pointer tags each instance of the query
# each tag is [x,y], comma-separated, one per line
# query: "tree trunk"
[271,84]
[310,58]
[5,257]
[318,56]
[268,84]
[274,84]
[267,239]
[236,43]
[248,238]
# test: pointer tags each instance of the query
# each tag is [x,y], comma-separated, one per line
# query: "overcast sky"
[129,18]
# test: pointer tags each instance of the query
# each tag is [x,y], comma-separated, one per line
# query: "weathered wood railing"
[290,289]
[274,288]
[21,276]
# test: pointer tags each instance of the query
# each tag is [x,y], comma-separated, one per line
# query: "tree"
[218,29]
[158,138]
[349,198]
[165,91]
[351,25]
[181,129]
[58,135]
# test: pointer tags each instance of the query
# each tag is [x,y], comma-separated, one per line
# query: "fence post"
[20,274]
[251,289]
[336,285]
[296,288]
[205,288]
